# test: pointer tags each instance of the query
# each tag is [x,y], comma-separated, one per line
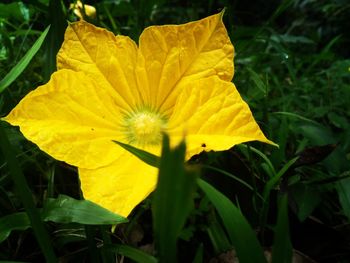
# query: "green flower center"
[144,127]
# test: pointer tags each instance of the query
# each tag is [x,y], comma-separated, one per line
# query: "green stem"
[107,256]
[90,237]
[25,195]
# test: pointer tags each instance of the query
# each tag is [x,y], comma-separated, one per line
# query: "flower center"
[144,127]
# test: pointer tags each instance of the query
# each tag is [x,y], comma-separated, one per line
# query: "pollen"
[145,128]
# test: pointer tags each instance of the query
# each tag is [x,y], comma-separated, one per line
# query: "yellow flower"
[178,81]
[81,10]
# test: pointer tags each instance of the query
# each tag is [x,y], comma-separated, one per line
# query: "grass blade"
[25,195]
[229,175]
[54,40]
[172,200]
[218,237]
[240,232]
[23,63]
[270,185]
[198,258]
[274,180]
[258,81]
[147,157]
[262,155]
[282,247]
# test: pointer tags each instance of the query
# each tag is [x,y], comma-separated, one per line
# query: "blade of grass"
[240,232]
[262,155]
[258,81]
[198,258]
[54,40]
[51,182]
[147,157]
[229,175]
[25,195]
[107,255]
[268,188]
[218,237]
[282,246]
[90,232]
[172,199]
[132,253]
[274,180]
[294,115]
[23,63]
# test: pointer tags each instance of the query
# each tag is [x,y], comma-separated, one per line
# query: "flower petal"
[121,186]
[109,59]
[173,55]
[71,118]
[213,116]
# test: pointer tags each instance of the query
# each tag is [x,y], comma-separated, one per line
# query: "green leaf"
[258,82]
[306,199]
[271,168]
[172,199]
[23,63]
[65,209]
[218,237]
[144,156]
[16,10]
[54,40]
[344,195]
[229,175]
[270,185]
[240,232]
[282,248]
[295,116]
[198,258]
[275,179]
[17,221]
[132,253]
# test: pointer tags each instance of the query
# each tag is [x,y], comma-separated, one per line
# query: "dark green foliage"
[239,231]
[172,200]
[292,66]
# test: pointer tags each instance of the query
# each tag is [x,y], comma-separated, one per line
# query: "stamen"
[144,127]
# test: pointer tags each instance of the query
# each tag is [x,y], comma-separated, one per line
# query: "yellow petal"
[121,186]
[109,59]
[173,55]
[71,118]
[213,116]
